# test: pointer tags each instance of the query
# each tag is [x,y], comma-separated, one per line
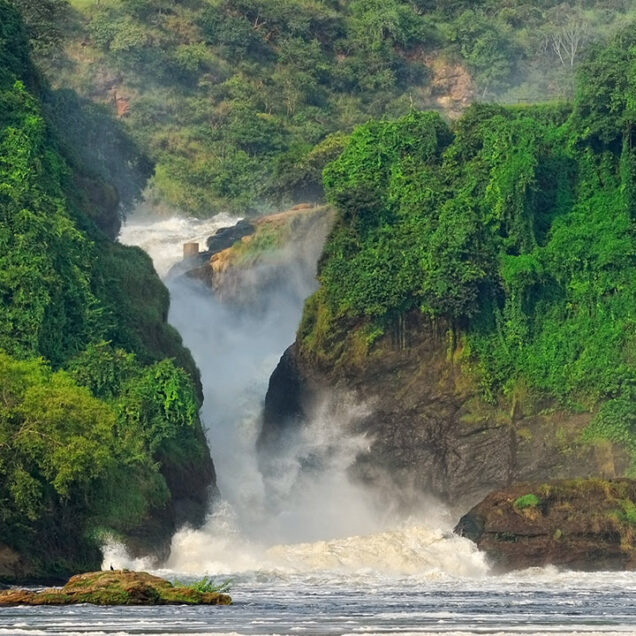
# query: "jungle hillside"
[240,104]
[514,227]
[98,398]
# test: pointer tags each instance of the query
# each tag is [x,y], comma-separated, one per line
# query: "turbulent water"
[308,551]
[541,602]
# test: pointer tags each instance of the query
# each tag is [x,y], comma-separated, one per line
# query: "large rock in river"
[118,587]
[582,524]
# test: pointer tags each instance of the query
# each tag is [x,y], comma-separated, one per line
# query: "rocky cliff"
[430,426]
[98,413]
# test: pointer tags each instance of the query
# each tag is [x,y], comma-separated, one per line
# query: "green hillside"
[98,397]
[241,103]
[515,225]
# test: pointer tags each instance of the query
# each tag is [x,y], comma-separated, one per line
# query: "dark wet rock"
[582,524]
[431,431]
[226,237]
[284,409]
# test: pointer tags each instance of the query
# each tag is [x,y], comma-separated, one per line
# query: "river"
[306,550]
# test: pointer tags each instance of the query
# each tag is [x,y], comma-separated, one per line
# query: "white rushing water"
[307,515]
[307,550]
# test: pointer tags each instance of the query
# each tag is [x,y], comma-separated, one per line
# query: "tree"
[45,20]
[568,35]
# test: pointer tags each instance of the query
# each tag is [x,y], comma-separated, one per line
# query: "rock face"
[246,263]
[452,89]
[587,524]
[432,432]
[119,587]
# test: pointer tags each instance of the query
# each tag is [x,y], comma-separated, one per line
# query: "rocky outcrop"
[227,236]
[580,524]
[452,88]
[432,432]
[119,587]
[245,263]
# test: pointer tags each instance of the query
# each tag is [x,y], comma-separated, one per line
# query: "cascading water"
[308,515]
[308,551]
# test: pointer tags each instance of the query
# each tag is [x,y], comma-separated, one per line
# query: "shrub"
[526,501]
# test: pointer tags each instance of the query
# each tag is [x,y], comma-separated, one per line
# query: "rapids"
[308,551]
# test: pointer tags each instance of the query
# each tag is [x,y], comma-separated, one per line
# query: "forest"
[515,225]
[240,104]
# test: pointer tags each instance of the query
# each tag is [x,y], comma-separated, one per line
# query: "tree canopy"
[515,225]
[229,99]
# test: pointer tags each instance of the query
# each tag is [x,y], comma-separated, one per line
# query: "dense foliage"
[516,226]
[89,397]
[239,103]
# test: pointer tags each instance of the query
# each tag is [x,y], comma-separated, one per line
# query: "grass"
[526,501]
[206,585]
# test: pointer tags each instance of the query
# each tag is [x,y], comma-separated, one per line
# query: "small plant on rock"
[206,585]
[526,501]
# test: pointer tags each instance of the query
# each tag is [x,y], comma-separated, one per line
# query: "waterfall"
[308,515]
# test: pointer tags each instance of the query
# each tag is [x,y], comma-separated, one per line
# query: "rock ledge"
[581,524]
[119,587]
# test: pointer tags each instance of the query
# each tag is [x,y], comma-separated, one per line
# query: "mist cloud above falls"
[307,496]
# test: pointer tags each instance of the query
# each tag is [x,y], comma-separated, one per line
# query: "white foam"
[163,239]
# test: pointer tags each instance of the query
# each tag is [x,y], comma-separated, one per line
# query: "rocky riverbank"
[582,524]
[119,587]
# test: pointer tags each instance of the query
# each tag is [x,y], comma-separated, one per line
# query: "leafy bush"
[206,585]
[526,501]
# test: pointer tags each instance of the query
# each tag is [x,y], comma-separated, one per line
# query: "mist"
[305,512]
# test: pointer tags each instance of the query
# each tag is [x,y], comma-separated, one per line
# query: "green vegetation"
[514,227]
[206,585]
[627,511]
[94,391]
[118,587]
[241,103]
[526,501]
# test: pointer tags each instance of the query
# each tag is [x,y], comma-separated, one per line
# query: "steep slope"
[99,430]
[241,103]
[478,291]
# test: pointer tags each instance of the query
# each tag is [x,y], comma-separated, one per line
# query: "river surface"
[541,602]
[306,550]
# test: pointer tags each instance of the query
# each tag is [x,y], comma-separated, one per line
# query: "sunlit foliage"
[515,226]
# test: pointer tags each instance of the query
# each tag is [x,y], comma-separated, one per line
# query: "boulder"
[117,587]
[580,524]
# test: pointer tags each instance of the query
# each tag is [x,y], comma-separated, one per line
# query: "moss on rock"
[583,524]
[119,587]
